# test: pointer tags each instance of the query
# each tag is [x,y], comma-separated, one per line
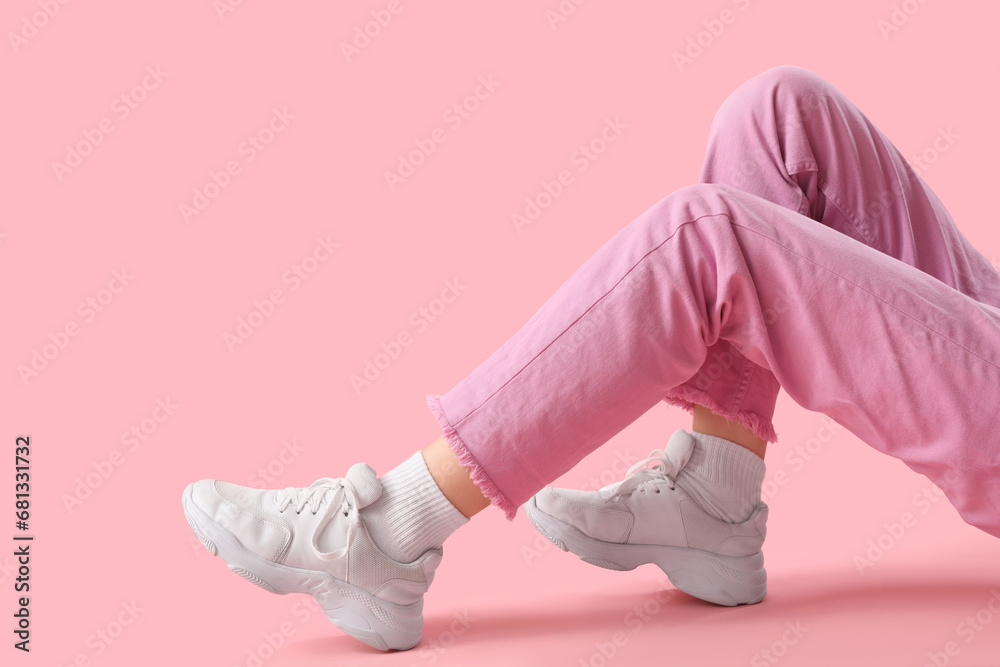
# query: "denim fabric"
[811,257]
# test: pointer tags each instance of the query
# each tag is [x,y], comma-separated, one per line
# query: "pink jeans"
[811,257]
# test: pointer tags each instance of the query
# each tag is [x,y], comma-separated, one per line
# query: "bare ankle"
[707,422]
[453,479]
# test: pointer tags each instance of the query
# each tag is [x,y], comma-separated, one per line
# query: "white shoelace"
[316,496]
[665,467]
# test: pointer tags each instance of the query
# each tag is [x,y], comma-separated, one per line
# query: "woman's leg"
[904,361]
[901,359]
[789,136]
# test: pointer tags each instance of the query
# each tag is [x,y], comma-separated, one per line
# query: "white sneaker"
[313,540]
[646,518]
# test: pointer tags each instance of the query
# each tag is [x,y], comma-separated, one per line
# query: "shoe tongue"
[678,450]
[365,482]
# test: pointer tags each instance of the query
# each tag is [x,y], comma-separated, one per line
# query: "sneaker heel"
[723,580]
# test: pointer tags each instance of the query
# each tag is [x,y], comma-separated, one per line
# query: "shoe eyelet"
[657,490]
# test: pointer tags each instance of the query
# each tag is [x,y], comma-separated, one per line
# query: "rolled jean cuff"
[467,460]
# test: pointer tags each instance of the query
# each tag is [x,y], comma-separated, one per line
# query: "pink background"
[515,599]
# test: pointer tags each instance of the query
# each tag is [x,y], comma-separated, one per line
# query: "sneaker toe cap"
[587,512]
[241,511]
[204,495]
[558,503]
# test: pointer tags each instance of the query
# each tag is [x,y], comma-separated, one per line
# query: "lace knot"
[346,495]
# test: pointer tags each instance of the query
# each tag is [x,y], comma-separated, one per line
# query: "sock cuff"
[421,514]
[726,463]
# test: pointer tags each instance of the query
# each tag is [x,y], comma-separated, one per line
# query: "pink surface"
[280,143]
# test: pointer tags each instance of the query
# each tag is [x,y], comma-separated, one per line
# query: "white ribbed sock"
[725,478]
[412,515]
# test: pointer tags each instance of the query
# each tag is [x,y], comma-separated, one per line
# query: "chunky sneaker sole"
[722,580]
[376,622]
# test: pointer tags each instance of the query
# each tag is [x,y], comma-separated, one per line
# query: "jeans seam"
[799,167]
[794,170]
[745,377]
[863,231]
